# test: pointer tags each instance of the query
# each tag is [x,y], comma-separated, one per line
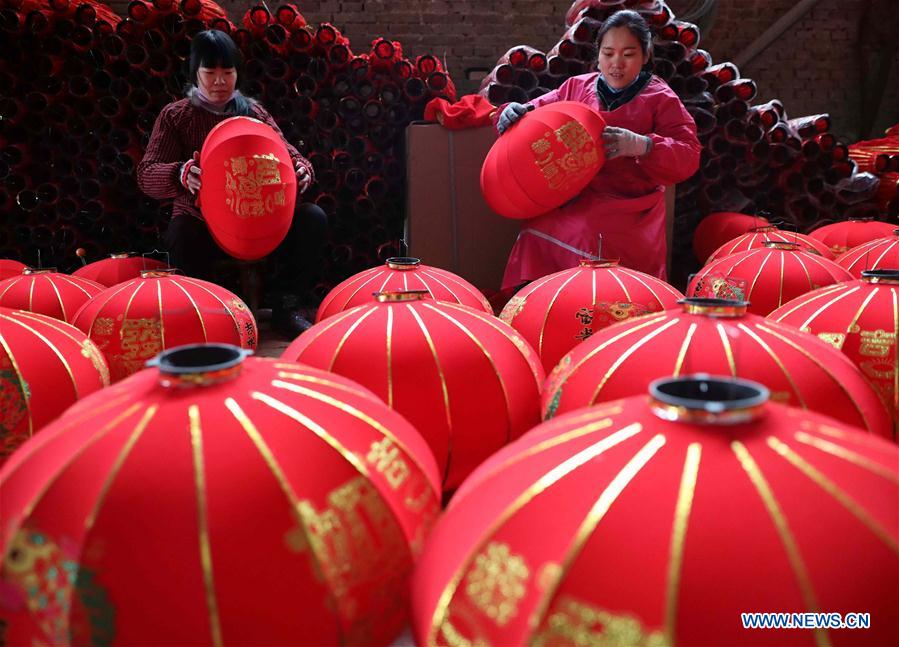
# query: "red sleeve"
[264,116]
[157,173]
[675,148]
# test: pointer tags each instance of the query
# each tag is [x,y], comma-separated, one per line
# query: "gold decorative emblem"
[245,178]
[579,154]
[572,622]
[717,286]
[513,309]
[835,339]
[103,326]
[90,351]
[496,582]
[876,343]
[141,340]
[386,459]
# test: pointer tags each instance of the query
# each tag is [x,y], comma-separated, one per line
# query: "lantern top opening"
[395,296]
[403,263]
[39,270]
[599,262]
[199,364]
[711,307]
[782,245]
[707,399]
[890,277]
[763,228]
[896,232]
[120,255]
[157,273]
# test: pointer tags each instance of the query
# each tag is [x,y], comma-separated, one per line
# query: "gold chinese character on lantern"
[876,343]
[573,136]
[244,180]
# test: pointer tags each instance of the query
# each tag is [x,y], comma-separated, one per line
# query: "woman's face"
[217,83]
[620,57]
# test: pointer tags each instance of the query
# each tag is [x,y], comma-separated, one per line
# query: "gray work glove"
[510,114]
[621,142]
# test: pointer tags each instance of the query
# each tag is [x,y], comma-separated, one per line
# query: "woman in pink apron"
[650,141]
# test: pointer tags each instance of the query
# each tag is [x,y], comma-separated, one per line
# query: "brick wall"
[813,68]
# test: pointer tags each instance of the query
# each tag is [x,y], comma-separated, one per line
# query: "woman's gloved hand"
[510,114]
[190,173]
[621,142]
[304,179]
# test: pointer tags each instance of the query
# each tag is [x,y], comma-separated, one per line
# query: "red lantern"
[467,381]
[10,268]
[717,228]
[767,278]
[249,187]
[118,268]
[718,337]
[216,500]
[134,321]
[659,521]
[859,319]
[45,365]
[48,292]
[402,273]
[882,253]
[544,160]
[555,313]
[756,238]
[840,237]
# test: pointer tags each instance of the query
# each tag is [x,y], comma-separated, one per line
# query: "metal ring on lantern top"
[887,277]
[782,245]
[38,270]
[403,263]
[599,262]
[399,296]
[712,307]
[195,365]
[158,273]
[708,399]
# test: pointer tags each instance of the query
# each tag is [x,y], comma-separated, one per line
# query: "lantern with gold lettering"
[402,273]
[561,310]
[658,521]
[719,337]
[45,365]
[717,228]
[881,253]
[118,268]
[840,237]
[10,268]
[47,292]
[467,381]
[767,278]
[136,320]
[544,160]
[216,500]
[756,238]
[249,187]
[858,318]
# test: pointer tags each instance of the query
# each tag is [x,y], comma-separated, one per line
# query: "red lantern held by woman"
[45,365]
[402,273]
[767,278]
[719,337]
[881,253]
[118,268]
[544,160]
[249,187]
[660,520]
[756,238]
[48,292]
[10,268]
[859,319]
[556,313]
[717,228]
[134,321]
[217,500]
[468,382]
[840,237]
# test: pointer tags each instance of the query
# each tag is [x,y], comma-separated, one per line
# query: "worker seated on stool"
[170,167]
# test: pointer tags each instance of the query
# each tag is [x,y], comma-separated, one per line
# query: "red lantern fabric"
[118,268]
[720,338]
[243,504]
[840,237]
[249,187]
[556,313]
[10,268]
[402,273]
[136,320]
[756,238]
[48,292]
[859,319]
[717,228]
[615,525]
[45,365]
[879,254]
[767,277]
[544,160]
[467,381]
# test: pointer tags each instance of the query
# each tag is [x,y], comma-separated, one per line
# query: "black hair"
[214,48]
[635,23]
